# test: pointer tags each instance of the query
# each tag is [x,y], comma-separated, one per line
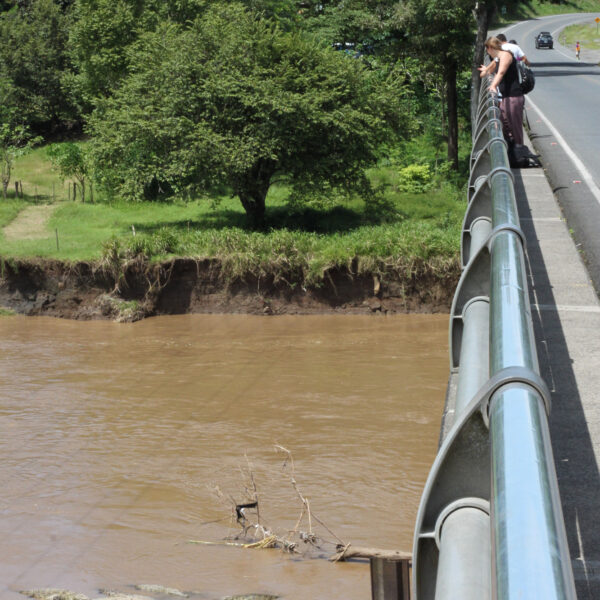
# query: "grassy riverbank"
[420,222]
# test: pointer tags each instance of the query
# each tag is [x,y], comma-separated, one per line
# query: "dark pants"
[512,118]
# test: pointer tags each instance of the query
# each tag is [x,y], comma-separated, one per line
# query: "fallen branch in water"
[304,500]
[349,551]
[257,535]
[223,543]
[267,542]
[254,533]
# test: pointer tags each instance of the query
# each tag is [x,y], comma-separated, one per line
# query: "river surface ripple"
[114,438]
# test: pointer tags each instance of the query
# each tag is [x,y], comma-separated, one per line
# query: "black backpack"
[521,157]
[526,77]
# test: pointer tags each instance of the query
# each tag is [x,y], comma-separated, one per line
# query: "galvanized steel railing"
[490,523]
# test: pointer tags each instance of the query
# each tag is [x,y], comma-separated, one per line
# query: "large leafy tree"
[235,100]
[369,26]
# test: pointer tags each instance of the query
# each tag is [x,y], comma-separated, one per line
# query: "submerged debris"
[53,594]
[122,596]
[252,597]
[159,589]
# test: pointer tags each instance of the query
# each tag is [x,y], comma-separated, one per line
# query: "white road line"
[566,308]
[571,57]
[585,174]
[542,219]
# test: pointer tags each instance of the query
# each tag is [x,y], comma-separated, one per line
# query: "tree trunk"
[252,190]
[254,207]
[4,189]
[452,103]
[483,13]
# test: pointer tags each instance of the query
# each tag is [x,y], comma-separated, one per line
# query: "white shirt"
[514,49]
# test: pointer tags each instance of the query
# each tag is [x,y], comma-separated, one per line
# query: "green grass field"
[417,226]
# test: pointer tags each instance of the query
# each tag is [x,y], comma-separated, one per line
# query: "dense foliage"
[246,103]
[185,95]
[33,59]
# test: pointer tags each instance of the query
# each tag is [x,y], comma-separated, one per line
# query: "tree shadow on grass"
[31,199]
[337,219]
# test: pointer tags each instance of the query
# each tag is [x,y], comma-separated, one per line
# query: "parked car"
[544,40]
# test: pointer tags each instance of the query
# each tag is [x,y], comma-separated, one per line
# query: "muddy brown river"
[121,443]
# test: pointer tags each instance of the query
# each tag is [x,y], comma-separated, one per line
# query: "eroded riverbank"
[138,289]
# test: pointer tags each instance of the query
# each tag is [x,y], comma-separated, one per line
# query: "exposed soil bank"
[183,285]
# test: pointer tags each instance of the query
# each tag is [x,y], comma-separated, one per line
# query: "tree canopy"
[243,103]
[33,58]
[15,136]
[187,94]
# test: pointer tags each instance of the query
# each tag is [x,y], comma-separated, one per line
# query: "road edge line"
[585,174]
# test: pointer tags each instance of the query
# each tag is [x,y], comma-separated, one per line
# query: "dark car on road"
[544,40]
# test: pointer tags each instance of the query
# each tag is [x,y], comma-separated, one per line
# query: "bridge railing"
[490,523]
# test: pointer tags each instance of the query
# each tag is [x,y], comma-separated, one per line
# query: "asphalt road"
[563,113]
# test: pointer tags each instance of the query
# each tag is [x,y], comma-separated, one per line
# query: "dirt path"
[30,223]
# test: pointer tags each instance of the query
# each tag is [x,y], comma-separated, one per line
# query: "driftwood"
[349,551]
[262,537]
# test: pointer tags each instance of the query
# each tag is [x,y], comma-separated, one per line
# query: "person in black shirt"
[506,81]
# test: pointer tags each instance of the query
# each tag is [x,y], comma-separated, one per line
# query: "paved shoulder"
[566,315]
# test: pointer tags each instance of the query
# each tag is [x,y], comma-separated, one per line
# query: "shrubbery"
[415,179]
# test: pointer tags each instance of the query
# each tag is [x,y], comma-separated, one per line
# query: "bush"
[415,179]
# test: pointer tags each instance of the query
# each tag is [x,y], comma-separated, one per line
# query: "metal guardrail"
[490,523]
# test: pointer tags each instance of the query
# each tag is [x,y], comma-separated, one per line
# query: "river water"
[121,443]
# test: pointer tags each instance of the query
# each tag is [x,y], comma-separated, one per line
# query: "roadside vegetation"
[539,8]
[586,34]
